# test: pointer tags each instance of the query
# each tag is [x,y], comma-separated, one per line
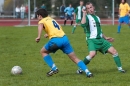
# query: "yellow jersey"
[51,27]
[124,9]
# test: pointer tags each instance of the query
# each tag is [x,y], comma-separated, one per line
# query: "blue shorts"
[59,43]
[124,19]
[69,17]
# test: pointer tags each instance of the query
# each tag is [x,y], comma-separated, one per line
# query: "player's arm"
[65,10]
[46,35]
[74,16]
[119,11]
[75,13]
[128,9]
[110,39]
[40,28]
[83,21]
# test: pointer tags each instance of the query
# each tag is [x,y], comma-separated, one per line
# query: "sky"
[1,2]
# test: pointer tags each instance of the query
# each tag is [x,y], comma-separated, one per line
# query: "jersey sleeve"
[73,10]
[120,6]
[40,22]
[86,24]
[76,10]
[128,7]
[65,10]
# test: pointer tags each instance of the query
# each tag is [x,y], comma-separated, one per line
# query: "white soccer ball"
[16,70]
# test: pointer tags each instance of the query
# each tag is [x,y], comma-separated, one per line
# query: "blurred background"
[10,8]
[103,7]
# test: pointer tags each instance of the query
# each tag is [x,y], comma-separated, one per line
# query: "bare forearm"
[83,19]
[40,27]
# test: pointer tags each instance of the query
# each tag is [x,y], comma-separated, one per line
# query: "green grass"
[18,47]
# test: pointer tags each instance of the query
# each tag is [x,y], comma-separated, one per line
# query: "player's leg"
[66,16]
[47,58]
[92,50]
[48,48]
[80,63]
[127,20]
[107,47]
[71,18]
[119,24]
[116,57]
[67,48]
[71,22]
[92,53]
[88,58]
[74,27]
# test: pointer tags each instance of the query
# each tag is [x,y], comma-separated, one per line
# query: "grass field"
[18,47]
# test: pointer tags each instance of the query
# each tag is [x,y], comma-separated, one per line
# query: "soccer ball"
[16,70]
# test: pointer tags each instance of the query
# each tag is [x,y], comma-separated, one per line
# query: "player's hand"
[37,39]
[119,16]
[110,39]
[84,11]
[46,35]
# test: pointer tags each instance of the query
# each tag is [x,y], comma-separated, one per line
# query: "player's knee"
[43,52]
[92,54]
[114,52]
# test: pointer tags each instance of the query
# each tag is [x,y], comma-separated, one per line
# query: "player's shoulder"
[41,21]
[120,4]
[127,4]
[78,6]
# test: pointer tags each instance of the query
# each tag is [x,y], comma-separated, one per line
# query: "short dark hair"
[81,1]
[88,3]
[42,12]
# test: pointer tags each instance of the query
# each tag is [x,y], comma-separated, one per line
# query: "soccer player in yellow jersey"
[57,40]
[124,10]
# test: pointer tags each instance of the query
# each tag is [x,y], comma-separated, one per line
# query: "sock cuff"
[115,55]
[119,68]
[88,58]
[74,25]
[79,62]
[46,56]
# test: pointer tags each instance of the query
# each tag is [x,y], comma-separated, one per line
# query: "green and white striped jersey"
[79,13]
[93,27]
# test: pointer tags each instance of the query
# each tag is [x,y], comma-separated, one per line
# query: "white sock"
[74,26]
[119,68]
[88,58]
[86,71]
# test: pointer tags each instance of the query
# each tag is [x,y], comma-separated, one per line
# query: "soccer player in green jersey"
[78,15]
[96,40]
